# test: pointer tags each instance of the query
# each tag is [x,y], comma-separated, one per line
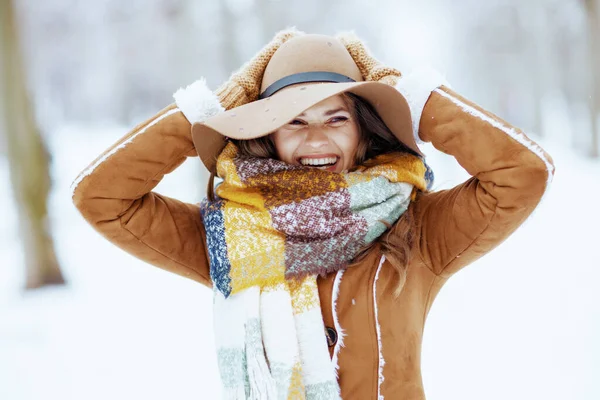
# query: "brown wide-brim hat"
[304,71]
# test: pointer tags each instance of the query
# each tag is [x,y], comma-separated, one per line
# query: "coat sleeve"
[114,194]
[510,174]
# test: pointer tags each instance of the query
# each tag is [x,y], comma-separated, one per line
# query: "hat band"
[304,77]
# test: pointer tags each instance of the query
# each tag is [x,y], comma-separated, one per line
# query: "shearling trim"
[510,131]
[197,102]
[99,161]
[378,328]
[416,87]
[336,323]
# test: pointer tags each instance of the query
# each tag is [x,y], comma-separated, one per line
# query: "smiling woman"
[322,179]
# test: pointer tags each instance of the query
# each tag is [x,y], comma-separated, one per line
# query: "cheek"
[284,145]
[349,143]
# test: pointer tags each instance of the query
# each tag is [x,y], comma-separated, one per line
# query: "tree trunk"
[28,159]
[593,9]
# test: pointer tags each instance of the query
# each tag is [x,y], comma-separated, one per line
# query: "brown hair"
[375,139]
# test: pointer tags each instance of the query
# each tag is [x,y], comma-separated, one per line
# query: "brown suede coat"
[454,228]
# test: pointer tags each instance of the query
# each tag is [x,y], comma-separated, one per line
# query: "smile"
[318,161]
[324,161]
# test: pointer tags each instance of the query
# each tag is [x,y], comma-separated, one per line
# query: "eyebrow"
[330,112]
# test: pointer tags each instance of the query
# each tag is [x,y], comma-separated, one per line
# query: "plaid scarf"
[271,230]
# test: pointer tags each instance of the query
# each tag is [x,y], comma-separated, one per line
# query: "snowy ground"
[522,323]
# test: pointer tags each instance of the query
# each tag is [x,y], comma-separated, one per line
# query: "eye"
[338,119]
[296,122]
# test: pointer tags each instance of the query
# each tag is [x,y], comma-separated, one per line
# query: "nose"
[316,138]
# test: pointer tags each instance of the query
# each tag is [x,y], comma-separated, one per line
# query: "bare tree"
[593,8]
[28,159]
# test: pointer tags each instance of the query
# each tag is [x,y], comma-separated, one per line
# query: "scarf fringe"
[262,384]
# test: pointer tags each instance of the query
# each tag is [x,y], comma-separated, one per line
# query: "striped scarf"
[271,230]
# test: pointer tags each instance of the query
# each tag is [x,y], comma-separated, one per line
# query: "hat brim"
[262,117]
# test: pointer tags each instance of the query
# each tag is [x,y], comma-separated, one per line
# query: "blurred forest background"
[89,68]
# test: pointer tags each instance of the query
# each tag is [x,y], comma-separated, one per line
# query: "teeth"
[318,161]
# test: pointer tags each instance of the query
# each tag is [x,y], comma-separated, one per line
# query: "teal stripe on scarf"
[376,200]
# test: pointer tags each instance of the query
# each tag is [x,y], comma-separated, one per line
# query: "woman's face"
[325,136]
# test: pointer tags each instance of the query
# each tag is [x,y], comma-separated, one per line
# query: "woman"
[323,221]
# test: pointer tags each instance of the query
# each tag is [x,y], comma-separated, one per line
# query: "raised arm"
[114,194]
[510,174]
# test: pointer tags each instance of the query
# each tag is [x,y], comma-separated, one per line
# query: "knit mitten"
[370,68]
[244,85]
